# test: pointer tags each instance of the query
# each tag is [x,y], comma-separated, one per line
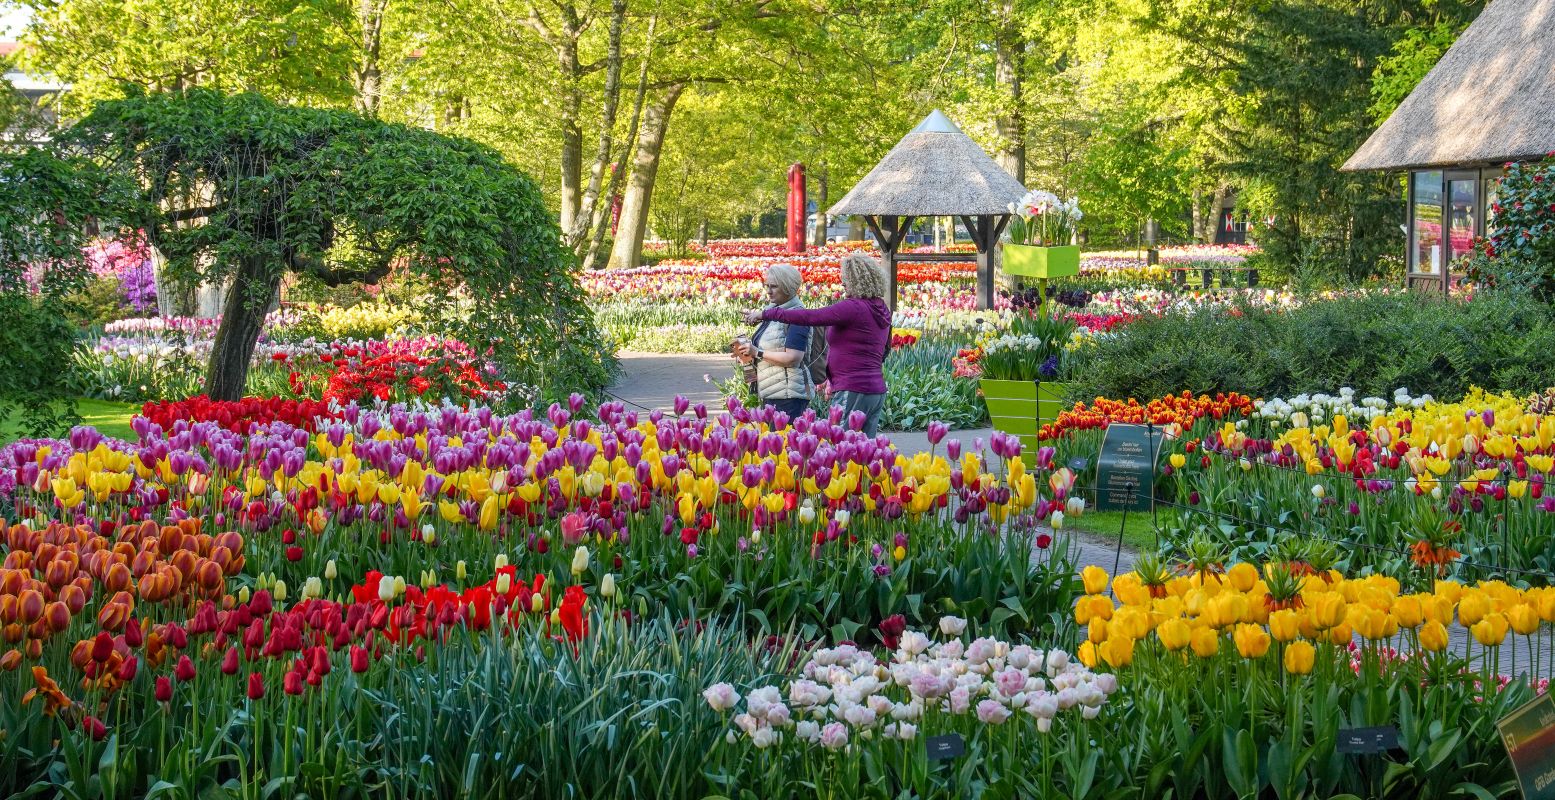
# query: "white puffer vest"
[782,383]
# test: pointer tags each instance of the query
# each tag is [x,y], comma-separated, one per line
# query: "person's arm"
[836,314]
[783,357]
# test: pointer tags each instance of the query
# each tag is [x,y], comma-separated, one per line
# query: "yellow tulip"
[1299,657]
[1174,634]
[1285,625]
[1327,609]
[1491,630]
[1118,652]
[1341,634]
[1433,637]
[1242,577]
[1472,608]
[1251,640]
[1524,619]
[488,516]
[1205,642]
[1087,654]
[1094,578]
[1178,460]
[1096,631]
[1409,611]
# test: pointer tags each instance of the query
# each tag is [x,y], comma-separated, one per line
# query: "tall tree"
[239,188]
[291,50]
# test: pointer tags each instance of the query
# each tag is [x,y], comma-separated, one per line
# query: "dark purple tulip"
[953,449]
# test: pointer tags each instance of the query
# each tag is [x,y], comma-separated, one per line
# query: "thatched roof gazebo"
[1489,101]
[935,171]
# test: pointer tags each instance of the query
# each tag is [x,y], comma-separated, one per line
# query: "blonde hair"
[787,277]
[862,276]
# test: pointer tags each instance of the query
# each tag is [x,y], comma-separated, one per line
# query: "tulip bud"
[504,583]
[243,595]
[399,585]
[460,571]
[330,571]
[536,602]
[386,588]
[501,560]
[279,592]
[607,586]
[580,560]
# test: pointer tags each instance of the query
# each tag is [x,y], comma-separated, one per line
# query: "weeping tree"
[240,191]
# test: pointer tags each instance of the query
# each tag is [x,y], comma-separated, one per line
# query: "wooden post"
[985,230]
[889,230]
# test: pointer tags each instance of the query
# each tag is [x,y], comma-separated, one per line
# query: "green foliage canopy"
[243,189]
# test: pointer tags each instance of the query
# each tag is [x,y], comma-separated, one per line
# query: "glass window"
[1462,213]
[1425,252]
[1491,178]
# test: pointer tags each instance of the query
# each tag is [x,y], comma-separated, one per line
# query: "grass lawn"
[1138,533]
[112,418]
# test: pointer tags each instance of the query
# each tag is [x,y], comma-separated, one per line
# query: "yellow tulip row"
[1195,612]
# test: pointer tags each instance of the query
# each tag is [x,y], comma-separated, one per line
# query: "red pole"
[796,209]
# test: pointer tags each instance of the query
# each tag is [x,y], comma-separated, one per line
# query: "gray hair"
[786,277]
[862,276]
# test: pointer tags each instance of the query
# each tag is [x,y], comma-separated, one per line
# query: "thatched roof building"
[934,171]
[1489,101]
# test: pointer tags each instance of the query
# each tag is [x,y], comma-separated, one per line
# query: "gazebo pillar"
[985,230]
[889,231]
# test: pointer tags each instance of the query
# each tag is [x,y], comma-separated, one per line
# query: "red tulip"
[94,728]
[294,553]
[229,662]
[164,689]
[358,659]
[292,683]
[184,671]
[128,668]
[102,646]
[256,686]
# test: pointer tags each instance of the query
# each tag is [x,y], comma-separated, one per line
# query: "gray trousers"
[869,404]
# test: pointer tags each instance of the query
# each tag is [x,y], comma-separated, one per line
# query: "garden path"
[651,380]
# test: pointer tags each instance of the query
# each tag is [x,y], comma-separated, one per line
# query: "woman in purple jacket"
[858,334]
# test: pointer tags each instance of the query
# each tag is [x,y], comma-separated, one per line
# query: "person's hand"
[753,317]
[742,352]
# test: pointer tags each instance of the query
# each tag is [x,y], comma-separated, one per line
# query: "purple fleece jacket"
[858,333]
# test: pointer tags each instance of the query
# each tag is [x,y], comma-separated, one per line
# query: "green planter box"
[1041,262]
[1020,407]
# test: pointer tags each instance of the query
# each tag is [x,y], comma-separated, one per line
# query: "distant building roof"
[1491,99]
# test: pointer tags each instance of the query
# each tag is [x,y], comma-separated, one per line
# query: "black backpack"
[815,357]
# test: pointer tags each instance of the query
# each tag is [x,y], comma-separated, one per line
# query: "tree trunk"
[1008,57]
[369,73]
[855,228]
[1217,209]
[822,220]
[645,169]
[242,318]
[618,169]
[572,132]
[578,234]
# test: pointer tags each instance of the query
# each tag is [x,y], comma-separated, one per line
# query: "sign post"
[1125,469]
[1529,736]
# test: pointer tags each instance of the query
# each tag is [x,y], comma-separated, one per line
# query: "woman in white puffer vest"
[778,350]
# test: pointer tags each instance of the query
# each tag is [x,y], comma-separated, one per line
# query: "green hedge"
[1374,343]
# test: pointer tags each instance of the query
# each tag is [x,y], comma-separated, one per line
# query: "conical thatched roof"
[1491,98]
[935,170]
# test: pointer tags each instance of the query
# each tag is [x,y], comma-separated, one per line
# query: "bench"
[1207,276]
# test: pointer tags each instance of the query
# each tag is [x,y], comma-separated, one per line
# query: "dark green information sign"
[1529,736]
[1125,470]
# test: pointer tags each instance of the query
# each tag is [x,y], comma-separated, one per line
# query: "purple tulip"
[953,449]
[937,432]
